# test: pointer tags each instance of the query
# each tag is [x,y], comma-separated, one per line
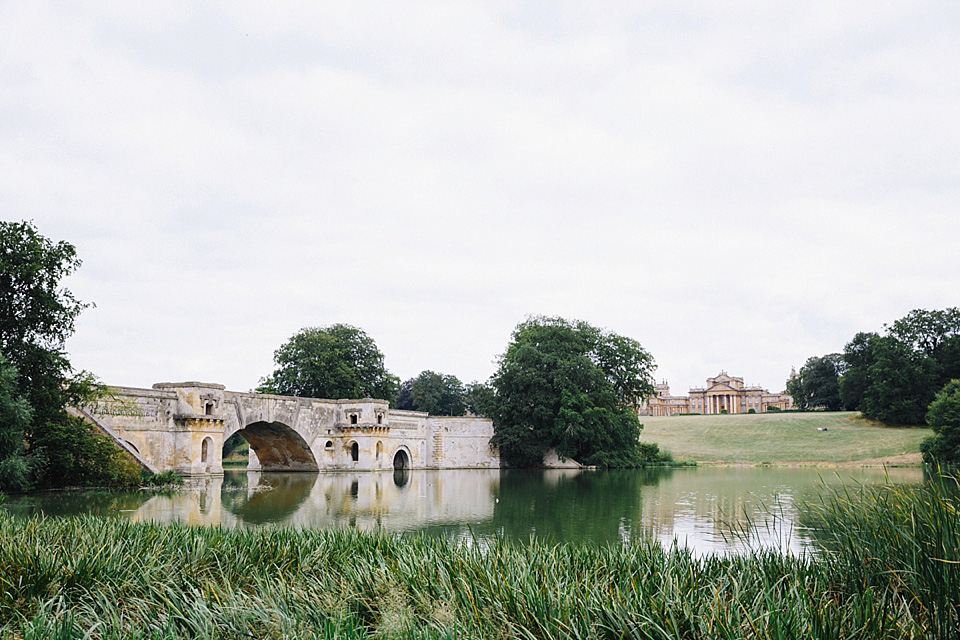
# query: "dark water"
[702,508]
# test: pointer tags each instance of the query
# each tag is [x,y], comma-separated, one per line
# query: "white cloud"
[737,186]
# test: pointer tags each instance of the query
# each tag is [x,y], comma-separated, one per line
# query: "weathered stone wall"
[462,443]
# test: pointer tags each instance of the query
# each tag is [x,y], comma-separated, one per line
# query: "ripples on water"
[706,509]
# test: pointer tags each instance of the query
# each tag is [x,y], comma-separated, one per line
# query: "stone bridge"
[181,427]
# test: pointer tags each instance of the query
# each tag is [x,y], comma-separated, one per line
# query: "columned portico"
[723,394]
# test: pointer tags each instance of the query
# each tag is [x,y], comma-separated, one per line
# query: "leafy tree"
[573,387]
[817,385]
[37,315]
[858,356]
[935,334]
[435,393]
[893,377]
[901,383]
[480,399]
[927,331]
[338,361]
[404,397]
[15,414]
[943,416]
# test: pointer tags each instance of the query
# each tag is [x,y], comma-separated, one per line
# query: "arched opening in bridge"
[401,460]
[205,450]
[355,452]
[279,447]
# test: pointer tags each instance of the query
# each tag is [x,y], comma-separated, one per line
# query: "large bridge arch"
[278,447]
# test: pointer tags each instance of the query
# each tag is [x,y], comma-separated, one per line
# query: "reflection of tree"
[277,497]
[71,503]
[602,506]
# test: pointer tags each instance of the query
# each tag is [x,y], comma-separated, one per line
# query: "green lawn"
[784,438]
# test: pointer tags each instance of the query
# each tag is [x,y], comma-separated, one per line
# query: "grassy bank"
[784,438]
[112,579]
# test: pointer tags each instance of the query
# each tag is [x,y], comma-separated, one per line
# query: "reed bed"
[888,569]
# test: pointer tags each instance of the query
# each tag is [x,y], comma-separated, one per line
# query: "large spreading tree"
[436,393]
[338,361]
[572,387]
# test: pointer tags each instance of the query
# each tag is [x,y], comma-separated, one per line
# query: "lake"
[702,508]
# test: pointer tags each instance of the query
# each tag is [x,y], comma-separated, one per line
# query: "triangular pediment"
[720,386]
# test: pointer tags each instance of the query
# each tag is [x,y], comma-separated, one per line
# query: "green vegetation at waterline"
[785,438]
[888,569]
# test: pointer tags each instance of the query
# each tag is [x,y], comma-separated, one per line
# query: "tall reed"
[899,539]
[887,570]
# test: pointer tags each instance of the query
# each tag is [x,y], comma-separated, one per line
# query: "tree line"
[905,375]
[561,384]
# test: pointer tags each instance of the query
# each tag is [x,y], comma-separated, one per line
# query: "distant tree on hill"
[817,384]
[943,447]
[435,393]
[893,377]
[338,361]
[857,356]
[902,383]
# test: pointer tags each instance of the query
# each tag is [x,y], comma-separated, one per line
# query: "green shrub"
[78,455]
[162,479]
[943,416]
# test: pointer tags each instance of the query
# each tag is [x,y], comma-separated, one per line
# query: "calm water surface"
[701,507]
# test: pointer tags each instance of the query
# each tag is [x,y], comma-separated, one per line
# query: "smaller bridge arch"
[401,458]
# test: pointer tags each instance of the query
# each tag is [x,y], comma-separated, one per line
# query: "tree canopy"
[569,386]
[435,393]
[337,361]
[817,384]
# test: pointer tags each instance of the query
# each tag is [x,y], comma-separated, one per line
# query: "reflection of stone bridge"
[181,427]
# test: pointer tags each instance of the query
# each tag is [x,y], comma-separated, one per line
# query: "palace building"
[723,394]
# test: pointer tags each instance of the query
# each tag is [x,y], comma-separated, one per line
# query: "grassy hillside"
[784,438]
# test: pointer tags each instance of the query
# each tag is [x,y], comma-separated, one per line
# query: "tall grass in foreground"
[897,538]
[887,571]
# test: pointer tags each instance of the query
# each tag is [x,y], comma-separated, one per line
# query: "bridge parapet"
[182,427]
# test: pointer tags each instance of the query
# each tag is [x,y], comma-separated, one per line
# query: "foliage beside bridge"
[40,443]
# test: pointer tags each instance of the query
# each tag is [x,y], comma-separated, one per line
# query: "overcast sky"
[737,188]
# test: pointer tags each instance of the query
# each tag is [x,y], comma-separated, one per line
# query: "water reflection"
[260,498]
[703,508]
